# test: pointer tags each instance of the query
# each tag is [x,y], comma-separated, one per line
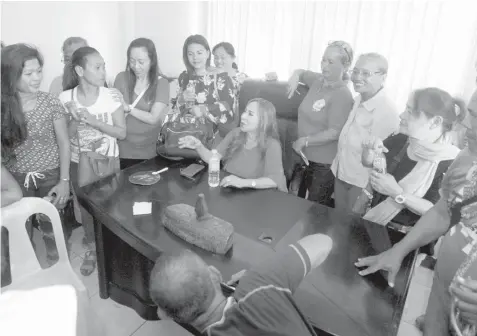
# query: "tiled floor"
[122,321]
[117,319]
[417,297]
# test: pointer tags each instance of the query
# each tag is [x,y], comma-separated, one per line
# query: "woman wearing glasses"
[69,47]
[321,116]
[373,114]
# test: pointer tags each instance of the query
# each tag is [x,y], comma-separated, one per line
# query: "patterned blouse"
[458,252]
[214,91]
[39,152]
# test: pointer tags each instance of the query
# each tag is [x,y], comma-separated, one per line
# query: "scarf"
[419,179]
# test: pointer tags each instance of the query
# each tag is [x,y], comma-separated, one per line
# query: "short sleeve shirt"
[375,117]
[141,138]
[251,163]
[324,107]
[39,152]
[263,302]
[89,138]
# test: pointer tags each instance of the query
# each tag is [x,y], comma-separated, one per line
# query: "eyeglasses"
[365,73]
[343,46]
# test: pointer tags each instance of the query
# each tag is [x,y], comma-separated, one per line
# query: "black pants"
[320,181]
[126,163]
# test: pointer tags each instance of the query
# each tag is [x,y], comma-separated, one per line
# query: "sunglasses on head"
[343,46]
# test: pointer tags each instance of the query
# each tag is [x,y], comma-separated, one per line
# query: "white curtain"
[427,43]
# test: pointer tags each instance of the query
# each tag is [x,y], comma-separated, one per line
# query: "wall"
[108,26]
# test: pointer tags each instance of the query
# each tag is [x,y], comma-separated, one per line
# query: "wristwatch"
[400,199]
[254,183]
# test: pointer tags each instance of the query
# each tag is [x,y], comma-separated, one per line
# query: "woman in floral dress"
[202,91]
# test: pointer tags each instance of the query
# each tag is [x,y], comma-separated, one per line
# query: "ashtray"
[144,178]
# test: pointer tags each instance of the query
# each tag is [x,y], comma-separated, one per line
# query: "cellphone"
[191,171]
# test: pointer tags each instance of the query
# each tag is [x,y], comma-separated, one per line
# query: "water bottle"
[214,169]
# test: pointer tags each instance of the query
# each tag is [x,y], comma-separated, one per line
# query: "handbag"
[179,124]
[297,185]
[93,166]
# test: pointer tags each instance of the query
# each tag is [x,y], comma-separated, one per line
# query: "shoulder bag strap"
[138,98]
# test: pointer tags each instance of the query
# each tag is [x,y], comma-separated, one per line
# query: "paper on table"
[142,208]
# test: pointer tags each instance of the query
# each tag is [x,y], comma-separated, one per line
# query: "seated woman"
[97,121]
[455,218]
[34,135]
[224,60]
[321,117]
[417,159]
[204,92]
[251,153]
[69,47]
[143,86]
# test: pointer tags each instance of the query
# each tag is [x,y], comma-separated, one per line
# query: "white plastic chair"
[25,269]
[27,274]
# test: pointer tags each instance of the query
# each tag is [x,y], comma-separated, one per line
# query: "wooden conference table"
[336,299]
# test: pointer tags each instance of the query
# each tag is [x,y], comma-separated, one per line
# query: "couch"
[287,113]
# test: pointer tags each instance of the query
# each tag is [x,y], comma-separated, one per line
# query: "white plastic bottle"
[214,169]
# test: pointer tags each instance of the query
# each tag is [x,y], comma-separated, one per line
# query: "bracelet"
[65,179]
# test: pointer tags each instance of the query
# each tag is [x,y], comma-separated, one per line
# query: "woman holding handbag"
[202,91]
[144,94]
[97,122]
[34,135]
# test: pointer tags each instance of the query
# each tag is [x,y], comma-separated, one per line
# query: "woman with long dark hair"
[203,91]
[251,153]
[97,123]
[144,95]
[34,133]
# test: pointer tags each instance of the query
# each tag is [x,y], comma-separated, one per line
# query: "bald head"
[181,285]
